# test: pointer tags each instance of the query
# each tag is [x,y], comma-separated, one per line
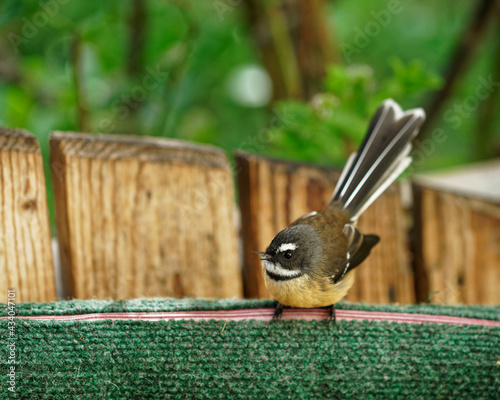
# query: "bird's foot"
[332,317]
[278,312]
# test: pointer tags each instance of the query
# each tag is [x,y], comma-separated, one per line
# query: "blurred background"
[294,79]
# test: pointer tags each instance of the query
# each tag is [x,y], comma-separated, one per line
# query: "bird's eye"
[288,254]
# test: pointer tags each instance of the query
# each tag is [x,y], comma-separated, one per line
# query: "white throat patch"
[286,246]
[277,269]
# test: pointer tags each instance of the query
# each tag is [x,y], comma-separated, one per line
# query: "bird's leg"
[278,312]
[332,317]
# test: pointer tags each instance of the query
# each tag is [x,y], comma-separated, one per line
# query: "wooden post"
[26,263]
[274,193]
[144,217]
[457,250]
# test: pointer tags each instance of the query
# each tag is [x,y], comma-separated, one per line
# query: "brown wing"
[359,246]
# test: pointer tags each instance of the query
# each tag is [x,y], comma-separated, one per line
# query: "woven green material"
[165,305]
[249,359]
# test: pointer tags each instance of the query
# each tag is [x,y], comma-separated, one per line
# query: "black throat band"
[280,277]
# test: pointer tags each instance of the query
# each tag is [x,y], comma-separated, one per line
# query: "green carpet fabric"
[165,305]
[248,359]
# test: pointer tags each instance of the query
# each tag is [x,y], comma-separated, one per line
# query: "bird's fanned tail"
[381,158]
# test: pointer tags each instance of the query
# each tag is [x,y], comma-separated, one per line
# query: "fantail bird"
[311,263]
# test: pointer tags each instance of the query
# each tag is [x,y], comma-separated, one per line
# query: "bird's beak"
[265,257]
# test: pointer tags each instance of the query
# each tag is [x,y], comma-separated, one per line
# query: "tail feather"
[385,182]
[381,158]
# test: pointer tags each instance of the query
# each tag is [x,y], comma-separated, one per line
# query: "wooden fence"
[144,218]
[149,217]
[25,245]
[457,235]
[275,193]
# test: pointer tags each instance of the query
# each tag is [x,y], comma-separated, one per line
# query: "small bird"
[311,263]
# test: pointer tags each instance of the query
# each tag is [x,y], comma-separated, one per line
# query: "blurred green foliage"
[326,129]
[187,60]
[428,31]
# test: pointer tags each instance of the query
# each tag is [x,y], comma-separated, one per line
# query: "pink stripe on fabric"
[266,314]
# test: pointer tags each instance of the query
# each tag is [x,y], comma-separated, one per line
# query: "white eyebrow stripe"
[286,246]
[277,269]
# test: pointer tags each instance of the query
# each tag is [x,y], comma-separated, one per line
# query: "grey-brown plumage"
[310,263]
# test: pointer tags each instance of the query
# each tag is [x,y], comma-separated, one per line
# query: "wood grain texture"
[457,249]
[26,263]
[274,193]
[144,217]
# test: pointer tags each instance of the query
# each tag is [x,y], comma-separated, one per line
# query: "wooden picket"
[457,219]
[274,193]
[144,217]
[25,246]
